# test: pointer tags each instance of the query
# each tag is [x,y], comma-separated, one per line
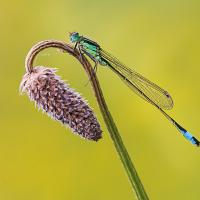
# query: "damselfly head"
[74,36]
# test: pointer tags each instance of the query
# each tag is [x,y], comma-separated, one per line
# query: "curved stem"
[116,138]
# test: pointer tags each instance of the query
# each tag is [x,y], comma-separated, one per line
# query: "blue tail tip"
[195,141]
[190,137]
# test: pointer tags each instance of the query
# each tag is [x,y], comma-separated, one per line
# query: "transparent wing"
[139,84]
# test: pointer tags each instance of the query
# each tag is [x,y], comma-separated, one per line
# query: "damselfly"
[146,89]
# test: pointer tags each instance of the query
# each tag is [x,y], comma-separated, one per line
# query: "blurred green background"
[42,160]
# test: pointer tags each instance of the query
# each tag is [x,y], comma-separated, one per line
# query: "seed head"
[62,103]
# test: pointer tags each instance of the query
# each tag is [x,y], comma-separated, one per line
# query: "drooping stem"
[114,133]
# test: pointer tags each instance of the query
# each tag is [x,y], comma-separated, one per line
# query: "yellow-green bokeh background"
[41,160]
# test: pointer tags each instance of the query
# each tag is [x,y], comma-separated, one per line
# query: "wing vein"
[139,84]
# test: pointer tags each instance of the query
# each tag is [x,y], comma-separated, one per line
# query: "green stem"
[114,133]
[124,156]
[119,145]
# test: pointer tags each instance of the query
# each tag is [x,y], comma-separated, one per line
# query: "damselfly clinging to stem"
[139,84]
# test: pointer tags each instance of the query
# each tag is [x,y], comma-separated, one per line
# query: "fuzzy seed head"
[62,103]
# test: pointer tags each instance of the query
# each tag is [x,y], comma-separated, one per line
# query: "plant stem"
[114,133]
